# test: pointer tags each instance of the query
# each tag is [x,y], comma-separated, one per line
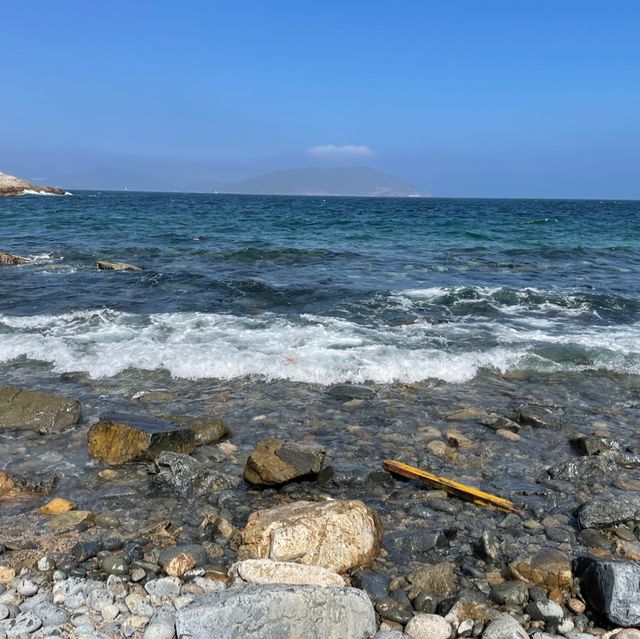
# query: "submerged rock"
[23,409]
[612,588]
[6,259]
[594,445]
[181,475]
[536,417]
[338,535]
[277,611]
[208,430]
[265,571]
[351,391]
[273,462]
[117,438]
[603,512]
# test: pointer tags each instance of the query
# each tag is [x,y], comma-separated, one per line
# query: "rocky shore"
[11,185]
[182,527]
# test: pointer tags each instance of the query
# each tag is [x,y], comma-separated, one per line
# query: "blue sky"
[532,98]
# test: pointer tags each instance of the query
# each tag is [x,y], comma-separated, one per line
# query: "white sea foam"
[198,345]
[307,349]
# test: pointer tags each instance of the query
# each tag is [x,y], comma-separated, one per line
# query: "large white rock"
[338,535]
[265,571]
[278,611]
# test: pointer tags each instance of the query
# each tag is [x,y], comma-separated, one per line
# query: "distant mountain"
[360,181]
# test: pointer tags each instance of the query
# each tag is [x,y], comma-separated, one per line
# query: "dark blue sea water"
[320,290]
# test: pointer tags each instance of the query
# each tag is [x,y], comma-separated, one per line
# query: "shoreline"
[435,426]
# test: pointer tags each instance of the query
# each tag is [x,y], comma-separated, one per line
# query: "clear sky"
[534,98]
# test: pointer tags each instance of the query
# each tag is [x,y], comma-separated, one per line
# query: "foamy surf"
[308,348]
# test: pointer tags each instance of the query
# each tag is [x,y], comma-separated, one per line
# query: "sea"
[255,309]
[319,290]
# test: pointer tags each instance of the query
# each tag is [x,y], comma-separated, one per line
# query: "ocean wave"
[307,348]
[34,192]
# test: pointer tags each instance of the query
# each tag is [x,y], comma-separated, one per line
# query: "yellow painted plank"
[451,486]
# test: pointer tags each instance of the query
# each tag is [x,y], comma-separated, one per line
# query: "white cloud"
[344,151]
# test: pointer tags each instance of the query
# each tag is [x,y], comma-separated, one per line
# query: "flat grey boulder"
[278,611]
[612,588]
[22,409]
[600,513]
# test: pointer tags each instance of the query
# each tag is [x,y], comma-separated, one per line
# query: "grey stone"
[424,626]
[184,476]
[504,627]
[547,611]
[351,391]
[601,512]
[537,417]
[510,593]
[29,410]
[311,613]
[116,266]
[392,634]
[612,588]
[159,631]
[583,469]
[25,623]
[50,614]
[163,588]
[594,445]
[198,552]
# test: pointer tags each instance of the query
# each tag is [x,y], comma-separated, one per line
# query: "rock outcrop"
[22,409]
[273,462]
[11,185]
[116,266]
[277,611]
[338,535]
[6,259]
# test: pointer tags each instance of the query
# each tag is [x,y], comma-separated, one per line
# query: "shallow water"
[249,307]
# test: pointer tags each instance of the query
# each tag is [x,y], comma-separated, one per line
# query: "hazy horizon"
[494,100]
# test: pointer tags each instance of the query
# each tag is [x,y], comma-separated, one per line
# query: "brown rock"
[274,462]
[182,562]
[436,579]
[338,535]
[108,474]
[6,259]
[22,409]
[116,266]
[18,488]
[576,606]
[119,438]
[440,449]
[6,574]
[628,549]
[208,430]
[71,519]
[57,506]
[549,567]
[465,415]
